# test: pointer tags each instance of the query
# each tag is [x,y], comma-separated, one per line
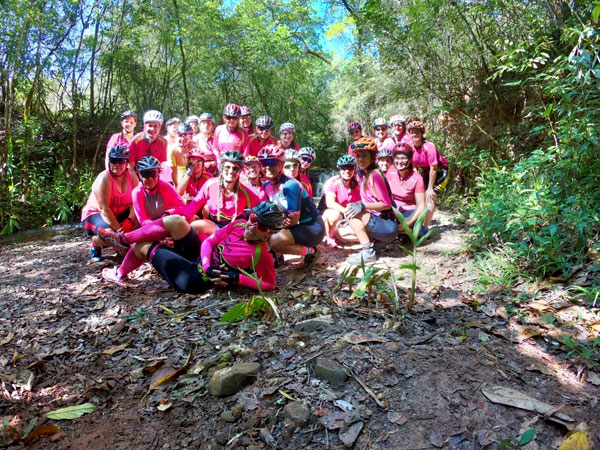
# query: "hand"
[353,210]
[287,222]
[430,195]
[126,226]
[222,276]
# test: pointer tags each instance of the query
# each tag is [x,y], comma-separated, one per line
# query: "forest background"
[509,91]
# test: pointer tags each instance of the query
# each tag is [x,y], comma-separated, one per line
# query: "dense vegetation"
[509,91]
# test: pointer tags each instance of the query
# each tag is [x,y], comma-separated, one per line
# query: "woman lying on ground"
[194,266]
[109,203]
[338,192]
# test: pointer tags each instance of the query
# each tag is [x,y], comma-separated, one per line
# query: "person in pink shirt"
[204,138]
[264,126]
[291,169]
[431,165]
[251,177]
[222,199]
[356,132]
[128,123]
[194,266]
[372,218]
[398,124]
[408,189]
[230,136]
[150,143]
[152,199]
[307,157]
[380,126]
[338,192]
[185,144]
[109,203]
[194,177]
[385,160]
[287,136]
[246,120]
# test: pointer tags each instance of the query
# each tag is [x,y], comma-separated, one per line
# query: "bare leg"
[359,226]
[204,226]
[330,218]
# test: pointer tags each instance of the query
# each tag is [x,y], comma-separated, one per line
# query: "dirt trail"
[67,337]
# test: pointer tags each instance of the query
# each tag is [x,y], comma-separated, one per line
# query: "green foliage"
[526,438]
[582,350]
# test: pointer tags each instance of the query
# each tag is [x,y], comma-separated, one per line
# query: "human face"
[172,129]
[198,164]
[210,165]
[206,127]
[149,178]
[417,137]
[398,127]
[128,124]
[184,139]
[286,137]
[363,159]
[254,230]
[401,162]
[245,121]
[273,170]
[230,172]
[151,130]
[263,132]
[231,122]
[305,162]
[356,134]
[381,132]
[252,171]
[195,126]
[291,169]
[117,166]
[384,164]
[347,172]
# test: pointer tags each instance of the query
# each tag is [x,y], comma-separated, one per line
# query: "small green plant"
[526,438]
[376,283]
[413,235]
[590,296]
[583,350]
[139,315]
[260,305]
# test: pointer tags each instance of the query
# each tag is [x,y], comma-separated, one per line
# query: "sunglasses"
[347,167]
[230,118]
[253,220]
[117,160]
[290,165]
[358,146]
[269,162]
[380,128]
[307,159]
[263,129]
[149,173]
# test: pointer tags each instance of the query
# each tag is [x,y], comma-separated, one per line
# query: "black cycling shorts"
[91,223]
[441,178]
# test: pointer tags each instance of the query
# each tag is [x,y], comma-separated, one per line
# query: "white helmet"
[153,116]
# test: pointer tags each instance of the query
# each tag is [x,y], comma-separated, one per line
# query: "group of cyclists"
[218,206]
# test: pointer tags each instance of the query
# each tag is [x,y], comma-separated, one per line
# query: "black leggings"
[91,223]
[179,266]
[441,178]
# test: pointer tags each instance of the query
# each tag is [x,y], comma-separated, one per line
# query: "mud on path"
[67,337]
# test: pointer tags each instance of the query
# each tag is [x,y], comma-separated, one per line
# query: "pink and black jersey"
[405,188]
[225,141]
[427,155]
[343,195]
[227,246]
[151,205]
[254,145]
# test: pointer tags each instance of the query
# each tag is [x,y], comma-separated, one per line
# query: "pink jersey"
[258,189]
[204,144]
[404,189]
[387,143]
[149,206]
[119,201]
[343,195]
[226,245]
[225,141]
[403,138]
[306,184]
[376,189]
[140,147]
[254,145]
[194,186]
[232,205]
[427,155]
[117,139]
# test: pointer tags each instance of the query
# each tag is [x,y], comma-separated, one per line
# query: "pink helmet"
[245,111]
[196,153]
[232,110]
[272,151]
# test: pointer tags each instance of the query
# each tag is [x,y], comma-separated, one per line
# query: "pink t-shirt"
[117,139]
[387,143]
[427,155]
[226,245]
[209,195]
[254,145]
[258,189]
[224,140]
[343,195]
[306,184]
[404,138]
[194,186]
[404,189]
[119,201]
[140,147]
[149,206]
[376,189]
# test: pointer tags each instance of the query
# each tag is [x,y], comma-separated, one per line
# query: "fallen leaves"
[118,348]
[42,430]
[9,337]
[71,412]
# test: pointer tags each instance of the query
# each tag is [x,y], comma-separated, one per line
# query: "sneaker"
[423,231]
[115,240]
[330,242]
[366,255]
[96,254]
[111,274]
[309,260]
[378,246]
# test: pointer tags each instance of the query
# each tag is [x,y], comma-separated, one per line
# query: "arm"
[185,179]
[432,174]
[332,204]
[209,245]
[264,269]
[103,191]
[139,206]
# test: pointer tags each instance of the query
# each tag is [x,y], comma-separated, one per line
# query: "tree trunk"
[183,61]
